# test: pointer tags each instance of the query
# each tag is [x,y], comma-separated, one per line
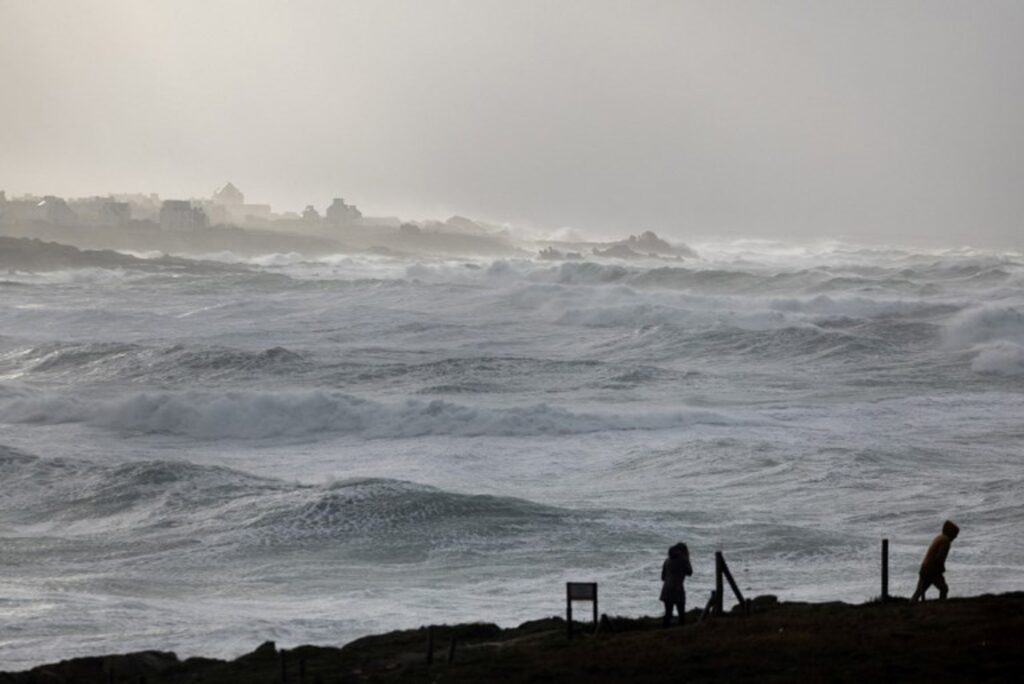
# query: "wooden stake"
[732,582]
[719,585]
[885,570]
[568,612]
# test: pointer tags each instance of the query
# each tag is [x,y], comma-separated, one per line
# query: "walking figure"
[934,564]
[674,572]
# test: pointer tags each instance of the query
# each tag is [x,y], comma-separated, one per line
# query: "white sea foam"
[993,334]
[986,323]
[999,358]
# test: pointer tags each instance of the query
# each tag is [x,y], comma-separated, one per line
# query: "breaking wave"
[1000,358]
[994,335]
[727,278]
[170,505]
[111,359]
[260,415]
[986,323]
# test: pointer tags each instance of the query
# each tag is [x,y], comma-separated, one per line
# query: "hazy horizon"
[794,120]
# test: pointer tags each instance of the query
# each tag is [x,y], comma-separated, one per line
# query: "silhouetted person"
[934,564]
[674,572]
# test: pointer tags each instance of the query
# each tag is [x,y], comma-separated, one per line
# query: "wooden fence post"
[885,570]
[732,582]
[568,611]
[719,585]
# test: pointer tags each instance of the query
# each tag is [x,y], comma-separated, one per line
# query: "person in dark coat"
[674,572]
[934,565]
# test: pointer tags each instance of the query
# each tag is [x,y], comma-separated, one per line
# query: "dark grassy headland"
[959,640]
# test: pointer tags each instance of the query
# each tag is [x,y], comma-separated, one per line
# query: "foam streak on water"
[312,451]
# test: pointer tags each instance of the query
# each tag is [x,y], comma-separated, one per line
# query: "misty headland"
[225,223]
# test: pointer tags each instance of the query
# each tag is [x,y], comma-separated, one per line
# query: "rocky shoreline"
[968,639]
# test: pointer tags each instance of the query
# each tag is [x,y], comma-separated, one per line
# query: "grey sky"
[883,120]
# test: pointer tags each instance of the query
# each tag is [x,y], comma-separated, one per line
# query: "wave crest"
[261,415]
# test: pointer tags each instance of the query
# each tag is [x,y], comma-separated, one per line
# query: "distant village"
[226,206]
[226,221]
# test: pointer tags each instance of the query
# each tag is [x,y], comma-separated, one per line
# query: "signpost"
[579,591]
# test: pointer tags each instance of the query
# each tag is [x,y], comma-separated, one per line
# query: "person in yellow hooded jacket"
[934,564]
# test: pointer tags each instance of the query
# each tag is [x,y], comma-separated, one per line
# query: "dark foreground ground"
[979,639]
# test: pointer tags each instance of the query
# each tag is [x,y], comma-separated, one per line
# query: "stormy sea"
[204,454]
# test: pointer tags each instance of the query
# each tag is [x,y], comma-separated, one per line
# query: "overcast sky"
[891,120]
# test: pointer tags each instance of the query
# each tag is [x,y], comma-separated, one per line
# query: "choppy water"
[309,452]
